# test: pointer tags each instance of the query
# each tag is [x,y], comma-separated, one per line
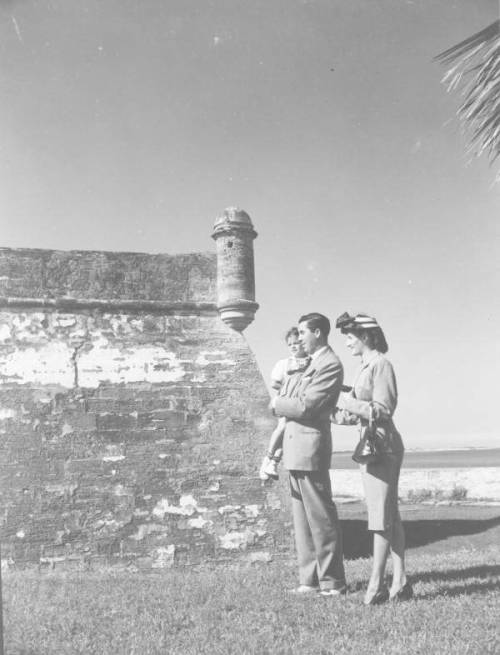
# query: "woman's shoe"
[379,597]
[405,593]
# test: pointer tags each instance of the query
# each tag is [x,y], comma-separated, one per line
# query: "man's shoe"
[304,589]
[331,593]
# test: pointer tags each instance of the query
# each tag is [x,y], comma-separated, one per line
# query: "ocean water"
[418,459]
[438,474]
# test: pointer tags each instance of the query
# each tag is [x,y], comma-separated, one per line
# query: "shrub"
[458,493]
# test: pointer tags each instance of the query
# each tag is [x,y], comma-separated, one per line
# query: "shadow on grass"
[461,590]
[358,541]
[482,571]
[490,582]
[489,573]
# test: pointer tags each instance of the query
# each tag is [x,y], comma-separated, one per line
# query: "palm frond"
[474,69]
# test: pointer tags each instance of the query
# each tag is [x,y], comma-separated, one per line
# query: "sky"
[129,125]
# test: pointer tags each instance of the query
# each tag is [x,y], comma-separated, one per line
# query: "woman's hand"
[343,417]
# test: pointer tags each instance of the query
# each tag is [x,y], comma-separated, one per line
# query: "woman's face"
[295,347]
[355,345]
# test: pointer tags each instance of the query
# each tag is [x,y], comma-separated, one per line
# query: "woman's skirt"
[380,483]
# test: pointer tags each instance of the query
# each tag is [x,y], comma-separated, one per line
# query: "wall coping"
[97,279]
[129,306]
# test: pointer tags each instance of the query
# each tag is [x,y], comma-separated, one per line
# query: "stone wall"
[132,419]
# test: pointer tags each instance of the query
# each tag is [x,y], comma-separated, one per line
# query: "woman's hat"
[345,322]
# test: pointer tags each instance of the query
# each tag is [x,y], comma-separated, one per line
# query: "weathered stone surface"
[234,235]
[33,273]
[129,438]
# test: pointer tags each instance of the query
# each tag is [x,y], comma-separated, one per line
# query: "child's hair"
[292,332]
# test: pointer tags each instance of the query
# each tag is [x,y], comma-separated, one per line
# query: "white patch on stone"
[260,556]
[273,500]
[229,508]
[20,534]
[137,324]
[61,489]
[52,560]
[198,522]
[6,564]
[187,507]
[50,364]
[260,531]
[163,557]
[6,413]
[216,357]
[189,503]
[237,540]
[137,364]
[252,511]
[66,429]
[121,490]
[113,458]
[148,528]
[5,333]
[64,321]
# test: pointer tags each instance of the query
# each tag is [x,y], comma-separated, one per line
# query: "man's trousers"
[318,535]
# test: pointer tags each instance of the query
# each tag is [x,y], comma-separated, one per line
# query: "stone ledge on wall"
[79,274]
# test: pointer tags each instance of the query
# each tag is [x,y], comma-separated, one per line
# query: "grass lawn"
[455,568]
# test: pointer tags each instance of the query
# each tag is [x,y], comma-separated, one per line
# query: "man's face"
[309,339]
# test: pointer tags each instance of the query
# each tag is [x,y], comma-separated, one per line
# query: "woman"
[374,391]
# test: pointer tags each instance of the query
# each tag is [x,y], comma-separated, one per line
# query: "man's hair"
[292,332]
[315,321]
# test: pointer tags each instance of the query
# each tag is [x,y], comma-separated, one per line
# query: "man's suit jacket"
[307,443]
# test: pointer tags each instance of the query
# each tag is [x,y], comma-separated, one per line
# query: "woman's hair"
[363,327]
[292,332]
[373,337]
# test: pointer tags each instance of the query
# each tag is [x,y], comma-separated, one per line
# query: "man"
[307,449]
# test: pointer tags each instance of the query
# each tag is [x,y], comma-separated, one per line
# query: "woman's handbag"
[369,447]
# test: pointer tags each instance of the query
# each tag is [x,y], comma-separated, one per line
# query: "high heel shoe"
[405,593]
[379,597]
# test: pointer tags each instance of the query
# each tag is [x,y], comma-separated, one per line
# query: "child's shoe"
[262,471]
[269,469]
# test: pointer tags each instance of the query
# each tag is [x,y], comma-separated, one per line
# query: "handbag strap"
[371,427]
[371,416]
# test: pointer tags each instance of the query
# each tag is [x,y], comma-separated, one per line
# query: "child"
[284,378]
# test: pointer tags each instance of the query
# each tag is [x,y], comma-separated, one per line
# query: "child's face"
[295,347]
